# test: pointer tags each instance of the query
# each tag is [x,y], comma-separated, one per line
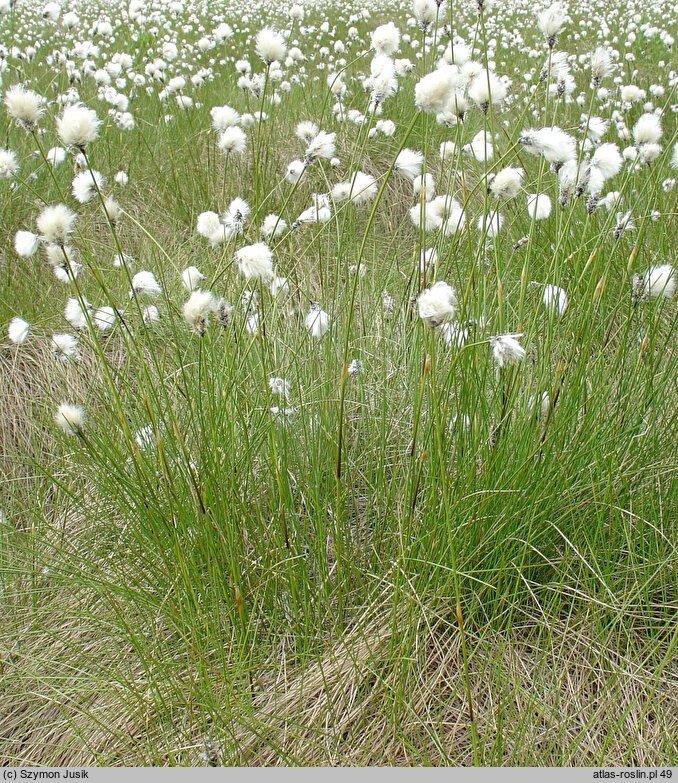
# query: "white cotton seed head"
[64,262]
[631,93]
[78,126]
[490,224]
[85,185]
[554,299]
[448,149]
[70,418]
[448,214]
[9,165]
[144,282]
[361,189]
[232,141]
[425,12]
[554,144]
[65,347]
[550,21]
[660,282]
[295,172]
[208,224]
[424,186]
[318,212]
[104,319]
[255,262]
[538,206]
[324,145]
[270,45]
[423,216]
[197,309]
[438,304]
[382,81]
[236,215]
[306,131]
[26,243]
[596,127]
[224,117]
[613,200]
[317,321]
[176,84]
[608,160]
[150,314]
[55,223]
[75,314]
[18,330]
[480,147]
[386,39]
[184,101]
[279,386]
[24,106]
[506,184]
[506,349]
[434,91]
[56,156]
[647,153]
[112,209]
[648,129]
[191,278]
[341,192]
[486,88]
[454,334]
[409,164]
[273,226]
[601,64]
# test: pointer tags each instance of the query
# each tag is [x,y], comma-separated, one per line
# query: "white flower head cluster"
[550,22]
[658,282]
[86,184]
[255,262]
[78,126]
[270,45]
[386,39]
[323,145]
[24,106]
[18,330]
[437,304]
[197,310]
[56,224]
[506,184]
[70,418]
[9,165]
[317,321]
[506,349]
[361,189]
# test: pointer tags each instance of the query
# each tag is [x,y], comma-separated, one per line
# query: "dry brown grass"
[567,696]
[34,383]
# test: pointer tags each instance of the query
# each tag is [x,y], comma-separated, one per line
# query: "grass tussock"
[338,399]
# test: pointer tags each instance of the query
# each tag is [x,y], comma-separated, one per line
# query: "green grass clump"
[415,556]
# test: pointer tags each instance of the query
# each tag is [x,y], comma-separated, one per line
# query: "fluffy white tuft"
[78,126]
[18,330]
[255,262]
[70,418]
[437,304]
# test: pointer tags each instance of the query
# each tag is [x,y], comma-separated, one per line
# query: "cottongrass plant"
[339,416]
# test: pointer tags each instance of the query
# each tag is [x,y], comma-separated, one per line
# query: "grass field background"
[413,556]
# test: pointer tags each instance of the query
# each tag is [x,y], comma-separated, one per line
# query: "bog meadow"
[339,379]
